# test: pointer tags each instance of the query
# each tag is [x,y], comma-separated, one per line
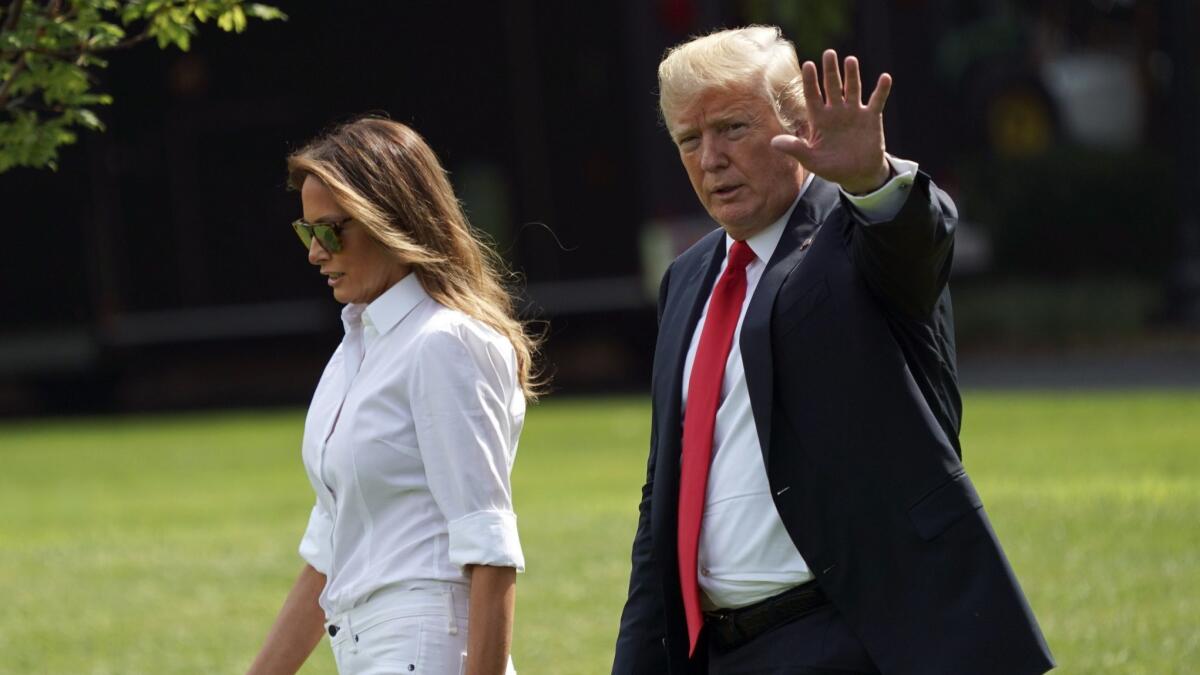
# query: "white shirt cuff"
[884,203]
[317,543]
[486,538]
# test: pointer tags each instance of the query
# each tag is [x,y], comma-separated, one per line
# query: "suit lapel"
[755,341]
[680,316]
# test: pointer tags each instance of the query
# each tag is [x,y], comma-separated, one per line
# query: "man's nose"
[316,252]
[712,154]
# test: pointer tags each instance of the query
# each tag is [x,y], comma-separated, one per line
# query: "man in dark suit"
[805,507]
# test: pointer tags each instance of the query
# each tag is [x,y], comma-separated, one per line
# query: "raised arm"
[905,255]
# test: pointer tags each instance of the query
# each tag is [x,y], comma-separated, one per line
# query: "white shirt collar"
[384,312]
[764,243]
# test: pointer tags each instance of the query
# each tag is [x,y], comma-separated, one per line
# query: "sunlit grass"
[165,545]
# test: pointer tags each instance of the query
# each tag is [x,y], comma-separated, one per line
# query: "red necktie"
[700,416]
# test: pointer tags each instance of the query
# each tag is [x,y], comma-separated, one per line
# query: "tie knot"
[740,255]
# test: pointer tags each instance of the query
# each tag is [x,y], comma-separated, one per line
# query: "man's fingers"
[833,76]
[797,148]
[853,82]
[880,95]
[812,91]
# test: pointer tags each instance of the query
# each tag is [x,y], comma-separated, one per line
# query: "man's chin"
[728,217]
[738,225]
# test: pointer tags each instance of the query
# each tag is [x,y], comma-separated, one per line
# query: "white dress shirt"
[745,554]
[409,444]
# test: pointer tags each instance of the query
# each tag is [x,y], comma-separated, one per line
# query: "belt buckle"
[725,632]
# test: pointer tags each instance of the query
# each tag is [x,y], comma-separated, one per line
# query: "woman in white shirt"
[411,549]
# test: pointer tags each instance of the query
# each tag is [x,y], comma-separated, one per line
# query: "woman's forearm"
[493,596]
[297,629]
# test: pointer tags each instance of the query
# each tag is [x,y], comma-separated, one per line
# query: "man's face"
[724,140]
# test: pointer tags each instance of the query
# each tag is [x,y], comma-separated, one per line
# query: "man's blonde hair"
[754,56]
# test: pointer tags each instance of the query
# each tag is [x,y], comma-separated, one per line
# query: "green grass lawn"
[166,544]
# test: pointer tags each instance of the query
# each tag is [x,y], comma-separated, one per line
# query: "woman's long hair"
[387,178]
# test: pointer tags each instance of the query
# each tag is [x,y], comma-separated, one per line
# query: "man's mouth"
[725,190]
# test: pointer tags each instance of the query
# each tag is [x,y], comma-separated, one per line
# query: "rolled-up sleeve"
[468,412]
[316,545]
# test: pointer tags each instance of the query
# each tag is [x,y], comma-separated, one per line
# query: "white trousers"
[399,631]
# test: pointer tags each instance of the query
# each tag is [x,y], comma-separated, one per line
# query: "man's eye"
[687,141]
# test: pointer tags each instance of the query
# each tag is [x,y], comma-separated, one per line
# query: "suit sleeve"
[641,648]
[906,260]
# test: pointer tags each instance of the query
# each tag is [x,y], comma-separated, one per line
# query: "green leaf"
[110,29]
[265,12]
[92,60]
[132,12]
[89,119]
[60,87]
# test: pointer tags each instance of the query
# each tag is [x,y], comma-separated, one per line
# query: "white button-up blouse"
[409,444]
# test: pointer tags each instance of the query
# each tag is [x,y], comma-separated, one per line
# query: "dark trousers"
[817,644]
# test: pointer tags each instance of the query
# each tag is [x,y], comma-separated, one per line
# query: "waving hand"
[844,141]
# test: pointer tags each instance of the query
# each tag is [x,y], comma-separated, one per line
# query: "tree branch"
[10,22]
[12,77]
[81,49]
[14,15]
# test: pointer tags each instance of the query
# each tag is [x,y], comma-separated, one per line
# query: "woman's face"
[363,269]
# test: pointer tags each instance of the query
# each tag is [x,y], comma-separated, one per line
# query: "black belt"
[729,628]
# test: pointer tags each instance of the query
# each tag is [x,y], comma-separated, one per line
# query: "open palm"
[842,139]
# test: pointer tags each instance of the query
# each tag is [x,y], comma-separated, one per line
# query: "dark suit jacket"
[848,349]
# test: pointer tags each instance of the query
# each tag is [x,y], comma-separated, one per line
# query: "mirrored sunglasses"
[329,235]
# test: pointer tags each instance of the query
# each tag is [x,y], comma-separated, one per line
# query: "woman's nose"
[316,252]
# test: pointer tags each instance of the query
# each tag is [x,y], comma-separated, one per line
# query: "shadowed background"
[157,269]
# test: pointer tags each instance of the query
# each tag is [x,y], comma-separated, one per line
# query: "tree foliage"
[813,25]
[50,50]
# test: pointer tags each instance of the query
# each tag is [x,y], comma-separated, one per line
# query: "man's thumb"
[791,145]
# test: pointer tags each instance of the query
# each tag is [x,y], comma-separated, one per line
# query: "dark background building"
[156,269]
